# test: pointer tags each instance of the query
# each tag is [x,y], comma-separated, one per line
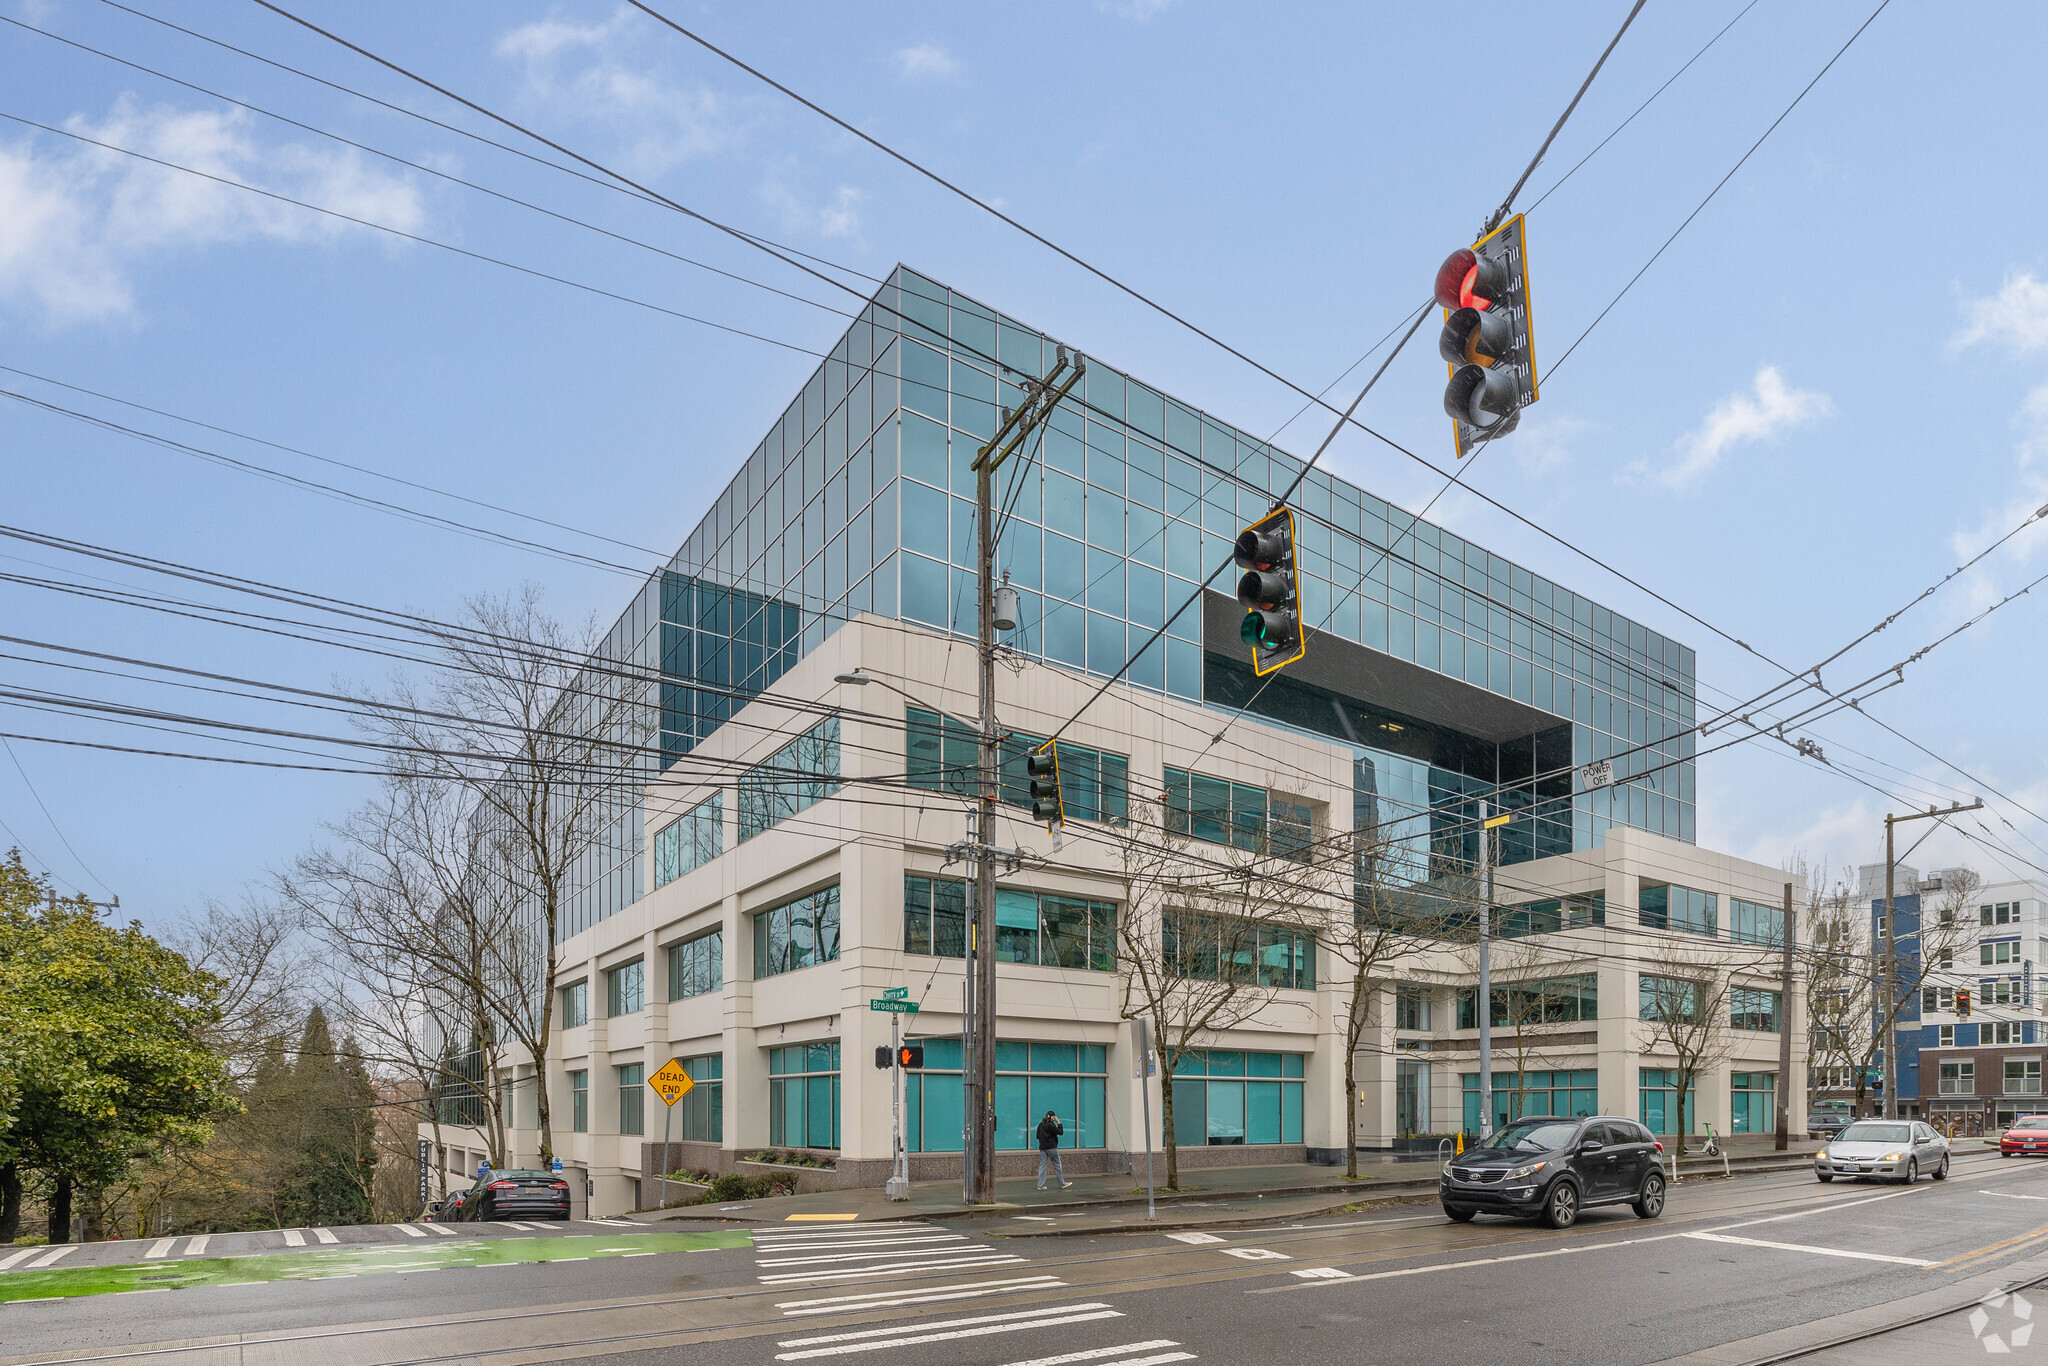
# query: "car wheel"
[1650,1201]
[1824,1177]
[1912,1171]
[1941,1172]
[1459,1216]
[1561,1208]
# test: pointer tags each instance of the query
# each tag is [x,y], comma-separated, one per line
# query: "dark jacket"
[1049,1131]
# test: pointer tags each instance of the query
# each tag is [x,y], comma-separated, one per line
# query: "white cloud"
[926,61]
[1769,409]
[545,38]
[1542,442]
[839,217]
[2017,315]
[77,221]
[1139,11]
[594,72]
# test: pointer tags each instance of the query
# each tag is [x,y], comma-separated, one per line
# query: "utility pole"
[1486,827]
[1893,1073]
[978,1070]
[1784,1135]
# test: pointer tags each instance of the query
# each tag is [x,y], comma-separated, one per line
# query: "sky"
[1829,390]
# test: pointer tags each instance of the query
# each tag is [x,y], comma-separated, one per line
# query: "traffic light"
[1042,766]
[1484,290]
[1962,1003]
[910,1055]
[1270,592]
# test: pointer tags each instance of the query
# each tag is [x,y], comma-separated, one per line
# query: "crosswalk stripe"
[197,1245]
[615,1223]
[1098,1353]
[294,1238]
[161,1247]
[409,1231]
[867,1242]
[944,1330]
[847,1231]
[890,1299]
[326,1235]
[884,1252]
[20,1256]
[53,1255]
[442,1229]
[907,1269]
[523,1228]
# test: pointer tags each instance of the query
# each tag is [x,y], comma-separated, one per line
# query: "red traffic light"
[910,1055]
[1468,280]
[1962,1004]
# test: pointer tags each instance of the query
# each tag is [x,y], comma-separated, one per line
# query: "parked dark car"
[517,1195]
[1826,1118]
[447,1210]
[1552,1168]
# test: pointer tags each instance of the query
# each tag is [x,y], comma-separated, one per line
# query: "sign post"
[896,1003]
[671,1083]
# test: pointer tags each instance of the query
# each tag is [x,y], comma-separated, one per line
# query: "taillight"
[560,1186]
[1660,1146]
[503,1186]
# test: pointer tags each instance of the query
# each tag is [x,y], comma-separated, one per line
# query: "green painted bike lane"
[333,1263]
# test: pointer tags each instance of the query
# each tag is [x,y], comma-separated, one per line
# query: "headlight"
[1520,1172]
[1820,1154]
[1893,1157]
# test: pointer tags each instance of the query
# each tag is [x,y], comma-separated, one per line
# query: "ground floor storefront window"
[1753,1102]
[1657,1098]
[1575,1092]
[1069,1079]
[803,1095]
[1222,1098]
[700,1115]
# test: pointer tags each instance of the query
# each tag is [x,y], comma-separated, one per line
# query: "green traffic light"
[1253,632]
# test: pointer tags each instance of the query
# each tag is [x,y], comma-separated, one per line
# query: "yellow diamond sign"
[671,1082]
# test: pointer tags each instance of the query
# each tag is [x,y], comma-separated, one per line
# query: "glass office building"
[1448,670]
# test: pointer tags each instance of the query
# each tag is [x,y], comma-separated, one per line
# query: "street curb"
[1406,1192]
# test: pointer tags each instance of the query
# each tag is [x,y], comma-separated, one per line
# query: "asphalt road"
[1729,1260]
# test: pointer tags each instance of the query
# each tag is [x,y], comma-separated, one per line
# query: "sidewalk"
[1208,1197]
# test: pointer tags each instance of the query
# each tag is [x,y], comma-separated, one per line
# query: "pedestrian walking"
[1049,1131]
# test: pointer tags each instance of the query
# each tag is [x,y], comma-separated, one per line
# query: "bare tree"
[546,740]
[1364,940]
[1848,974]
[1212,931]
[413,938]
[1836,958]
[1686,997]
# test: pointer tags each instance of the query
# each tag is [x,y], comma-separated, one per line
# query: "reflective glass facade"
[859,499]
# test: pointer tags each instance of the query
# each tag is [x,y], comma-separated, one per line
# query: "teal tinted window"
[690,841]
[1031,927]
[803,1095]
[797,934]
[1031,1078]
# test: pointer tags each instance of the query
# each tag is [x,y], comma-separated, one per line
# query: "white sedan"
[1897,1149]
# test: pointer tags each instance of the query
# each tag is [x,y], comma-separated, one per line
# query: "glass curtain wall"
[859,498]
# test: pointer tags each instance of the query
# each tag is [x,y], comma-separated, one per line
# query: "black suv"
[1551,1168]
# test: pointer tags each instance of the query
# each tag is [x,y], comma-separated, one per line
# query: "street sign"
[426,1157]
[896,994]
[1596,775]
[671,1082]
[892,1007]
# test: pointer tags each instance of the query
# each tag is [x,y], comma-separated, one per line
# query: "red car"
[2028,1134]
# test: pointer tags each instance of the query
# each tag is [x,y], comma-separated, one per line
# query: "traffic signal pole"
[978,1070]
[1893,1073]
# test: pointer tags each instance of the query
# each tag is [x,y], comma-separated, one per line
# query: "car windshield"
[1876,1133]
[1532,1136]
[2031,1122]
